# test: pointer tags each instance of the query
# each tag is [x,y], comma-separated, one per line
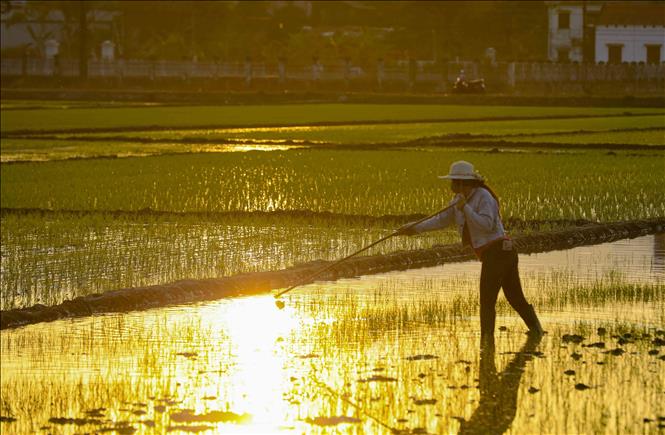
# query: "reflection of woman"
[498,391]
[477,216]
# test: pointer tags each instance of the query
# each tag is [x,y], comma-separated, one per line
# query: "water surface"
[397,351]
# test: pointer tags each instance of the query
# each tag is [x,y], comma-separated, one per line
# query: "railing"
[553,72]
[502,73]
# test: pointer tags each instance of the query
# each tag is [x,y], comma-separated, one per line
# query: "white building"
[632,32]
[566,29]
[606,31]
[29,30]
[23,26]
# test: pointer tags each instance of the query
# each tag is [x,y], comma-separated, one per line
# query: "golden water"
[392,352]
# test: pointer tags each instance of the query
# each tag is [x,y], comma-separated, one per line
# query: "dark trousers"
[500,270]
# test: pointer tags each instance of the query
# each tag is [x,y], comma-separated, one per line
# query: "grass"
[295,114]
[548,186]
[62,256]
[146,143]
[389,133]
[48,259]
[355,134]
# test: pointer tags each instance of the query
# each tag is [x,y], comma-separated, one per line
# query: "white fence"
[502,73]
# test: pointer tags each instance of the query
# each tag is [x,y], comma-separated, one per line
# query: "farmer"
[478,220]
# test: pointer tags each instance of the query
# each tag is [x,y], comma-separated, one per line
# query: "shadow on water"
[658,262]
[498,391]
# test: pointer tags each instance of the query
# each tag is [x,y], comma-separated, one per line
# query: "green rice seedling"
[51,258]
[408,132]
[294,114]
[532,186]
[47,259]
[410,303]
[453,132]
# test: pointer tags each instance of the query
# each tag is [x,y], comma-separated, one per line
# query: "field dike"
[187,291]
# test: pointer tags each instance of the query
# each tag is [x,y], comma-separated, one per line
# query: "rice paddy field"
[98,197]
[382,133]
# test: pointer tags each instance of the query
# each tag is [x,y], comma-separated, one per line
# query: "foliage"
[231,30]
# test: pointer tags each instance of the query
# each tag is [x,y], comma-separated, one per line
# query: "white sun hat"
[462,170]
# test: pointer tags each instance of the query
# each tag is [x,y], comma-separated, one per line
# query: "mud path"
[187,291]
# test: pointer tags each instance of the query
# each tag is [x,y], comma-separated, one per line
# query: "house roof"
[632,14]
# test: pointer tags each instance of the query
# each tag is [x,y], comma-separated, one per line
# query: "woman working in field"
[476,213]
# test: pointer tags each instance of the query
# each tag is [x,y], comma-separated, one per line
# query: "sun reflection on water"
[256,330]
[397,351]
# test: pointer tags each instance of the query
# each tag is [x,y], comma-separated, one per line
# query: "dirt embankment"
[187,291]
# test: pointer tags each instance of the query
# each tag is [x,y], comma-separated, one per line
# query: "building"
[606,31]
[21,29]
[632,32]
[42,26]
[570,30]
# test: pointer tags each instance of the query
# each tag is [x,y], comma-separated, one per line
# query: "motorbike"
[463,86]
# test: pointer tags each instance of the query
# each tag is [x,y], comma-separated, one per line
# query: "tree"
[36,15]
[216,30]
[83,40]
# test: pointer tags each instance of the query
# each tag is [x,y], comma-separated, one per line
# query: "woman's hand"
[461,202]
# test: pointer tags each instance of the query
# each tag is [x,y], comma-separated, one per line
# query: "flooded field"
[81,118]
[100,197]
[397,352]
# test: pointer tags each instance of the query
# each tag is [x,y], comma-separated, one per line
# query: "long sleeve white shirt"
[481,213]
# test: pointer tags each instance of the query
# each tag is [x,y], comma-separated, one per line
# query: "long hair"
[482,184]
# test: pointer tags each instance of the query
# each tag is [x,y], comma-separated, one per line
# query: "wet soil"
[187,291]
